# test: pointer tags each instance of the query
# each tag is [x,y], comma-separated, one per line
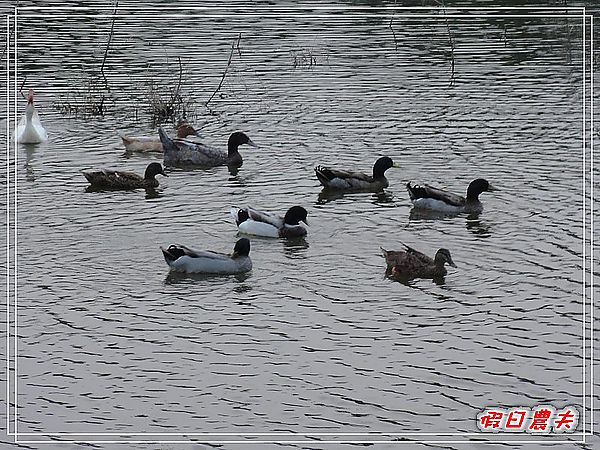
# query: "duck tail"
[411,191]
[172,253]
[167,142]
[324,175]
[126,139]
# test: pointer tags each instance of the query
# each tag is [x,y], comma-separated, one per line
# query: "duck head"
[478,186]
[154,169]
[238,138]
[242,248]
[30,109]
[381,165]
[185,129]
[295,215]
[442,257]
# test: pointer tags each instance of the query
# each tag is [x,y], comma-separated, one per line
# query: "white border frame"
[301,11]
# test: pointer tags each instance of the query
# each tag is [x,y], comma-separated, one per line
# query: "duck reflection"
[478,227]
[295,248]
[28,166]
[187,278]
[330,195]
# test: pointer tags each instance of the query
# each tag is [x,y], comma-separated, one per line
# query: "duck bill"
[396,165]
[303,222]
[451,263]
[492,188]
[251,144]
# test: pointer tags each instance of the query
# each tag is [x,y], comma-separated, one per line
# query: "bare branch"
[233,46]
[112,28]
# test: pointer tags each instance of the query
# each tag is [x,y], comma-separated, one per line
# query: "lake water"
[314,339]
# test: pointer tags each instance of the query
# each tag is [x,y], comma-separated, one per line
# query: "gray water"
[314,339]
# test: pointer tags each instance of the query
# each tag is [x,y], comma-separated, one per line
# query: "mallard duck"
[410,263]
[181,152]
[184,259]
[30,129]
[116,180]
[251,221]
[348,180]
[428,197]
[147,144]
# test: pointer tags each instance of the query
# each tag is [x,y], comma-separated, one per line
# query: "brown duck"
[116,180]
[147,144]
[410,263]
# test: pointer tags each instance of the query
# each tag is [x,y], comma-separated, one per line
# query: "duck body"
[107,179]
[148,144]
[30,129]
[428,197]
[348,180]
[183,152]
[184,259]
[258,223]
[410,263]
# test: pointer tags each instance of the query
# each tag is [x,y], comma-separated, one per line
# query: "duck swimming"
[428,197]
[116,180]
[258,223]
[147,144]
[30,129]
[348,180]
[184,259]
[410,263]
[181,152]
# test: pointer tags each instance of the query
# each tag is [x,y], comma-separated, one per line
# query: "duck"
[184,259]
[147,144]
[347,180]
[258,223]
[427,197]
[410,263]
[117,180]
[30,129]
[181,152]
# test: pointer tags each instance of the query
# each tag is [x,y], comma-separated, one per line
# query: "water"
[315,339]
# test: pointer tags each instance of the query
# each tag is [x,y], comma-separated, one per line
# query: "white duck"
[30,129]
[184,259]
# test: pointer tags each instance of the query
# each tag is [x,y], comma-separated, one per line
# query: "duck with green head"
[349,180]
[184,153]
[428,197]
[184,259]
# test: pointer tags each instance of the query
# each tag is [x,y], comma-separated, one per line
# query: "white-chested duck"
[184,259]
[258,223]
[427,197]
[30,129]
[410,263]
[152,144]
[348,180]
[108,179]
[181,152]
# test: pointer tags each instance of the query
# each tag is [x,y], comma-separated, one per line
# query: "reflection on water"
[477,226]
[29,160]
[214,278]
[295,248]
[329,195]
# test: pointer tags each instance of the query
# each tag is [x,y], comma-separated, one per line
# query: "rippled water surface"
[315,338]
